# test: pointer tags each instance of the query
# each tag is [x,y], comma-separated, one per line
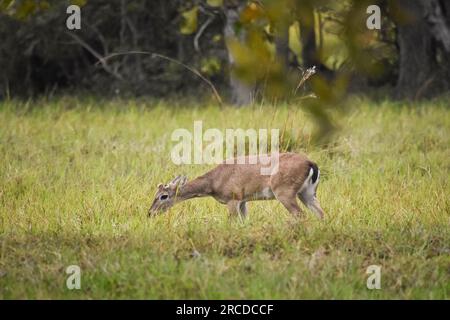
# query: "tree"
[241,92]
[416,46]
[421,27]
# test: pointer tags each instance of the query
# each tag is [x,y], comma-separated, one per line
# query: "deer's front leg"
[236,207]
[242,209]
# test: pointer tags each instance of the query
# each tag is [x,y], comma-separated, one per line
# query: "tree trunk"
[437,23]
[241,93]
[445,5]
[308,36]
[417,52]
[310,52]
[282,44]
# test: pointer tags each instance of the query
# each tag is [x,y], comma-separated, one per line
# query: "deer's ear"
[160,186]
[174,182]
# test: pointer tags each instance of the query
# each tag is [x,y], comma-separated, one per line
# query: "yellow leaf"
[27,8]
[251,12]
[189,23]
[5,4]
[44,5]
[214,3]
[210,66]
[79,3]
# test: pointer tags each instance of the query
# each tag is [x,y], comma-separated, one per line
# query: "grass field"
[77,178]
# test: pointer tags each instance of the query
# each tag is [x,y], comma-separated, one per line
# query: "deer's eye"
[163,197]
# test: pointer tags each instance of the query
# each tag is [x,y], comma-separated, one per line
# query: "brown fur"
[235,184]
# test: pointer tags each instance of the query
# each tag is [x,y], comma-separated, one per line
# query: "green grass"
[77,178]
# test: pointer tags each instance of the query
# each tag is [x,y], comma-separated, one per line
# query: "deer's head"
[166,195]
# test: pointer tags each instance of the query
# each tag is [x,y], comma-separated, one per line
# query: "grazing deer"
[235,184]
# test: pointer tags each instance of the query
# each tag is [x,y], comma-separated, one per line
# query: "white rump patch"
[307,183]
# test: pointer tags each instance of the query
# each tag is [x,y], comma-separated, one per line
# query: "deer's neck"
[199,187]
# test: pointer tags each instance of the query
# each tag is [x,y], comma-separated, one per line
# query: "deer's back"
[239,181]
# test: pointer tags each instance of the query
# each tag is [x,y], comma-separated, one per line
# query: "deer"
[236,183]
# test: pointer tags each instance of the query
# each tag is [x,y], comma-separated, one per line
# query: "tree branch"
[102,60]
[200,32]
[96,55]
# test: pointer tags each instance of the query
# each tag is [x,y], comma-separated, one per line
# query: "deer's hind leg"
[309,199]
[312,203]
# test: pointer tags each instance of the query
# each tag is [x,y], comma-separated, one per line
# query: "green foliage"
[23,9]
[80,3]
[210,66]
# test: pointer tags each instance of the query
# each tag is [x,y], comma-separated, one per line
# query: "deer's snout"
[152,211]
[155,210]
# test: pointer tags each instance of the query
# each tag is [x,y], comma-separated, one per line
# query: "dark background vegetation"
[242,47]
